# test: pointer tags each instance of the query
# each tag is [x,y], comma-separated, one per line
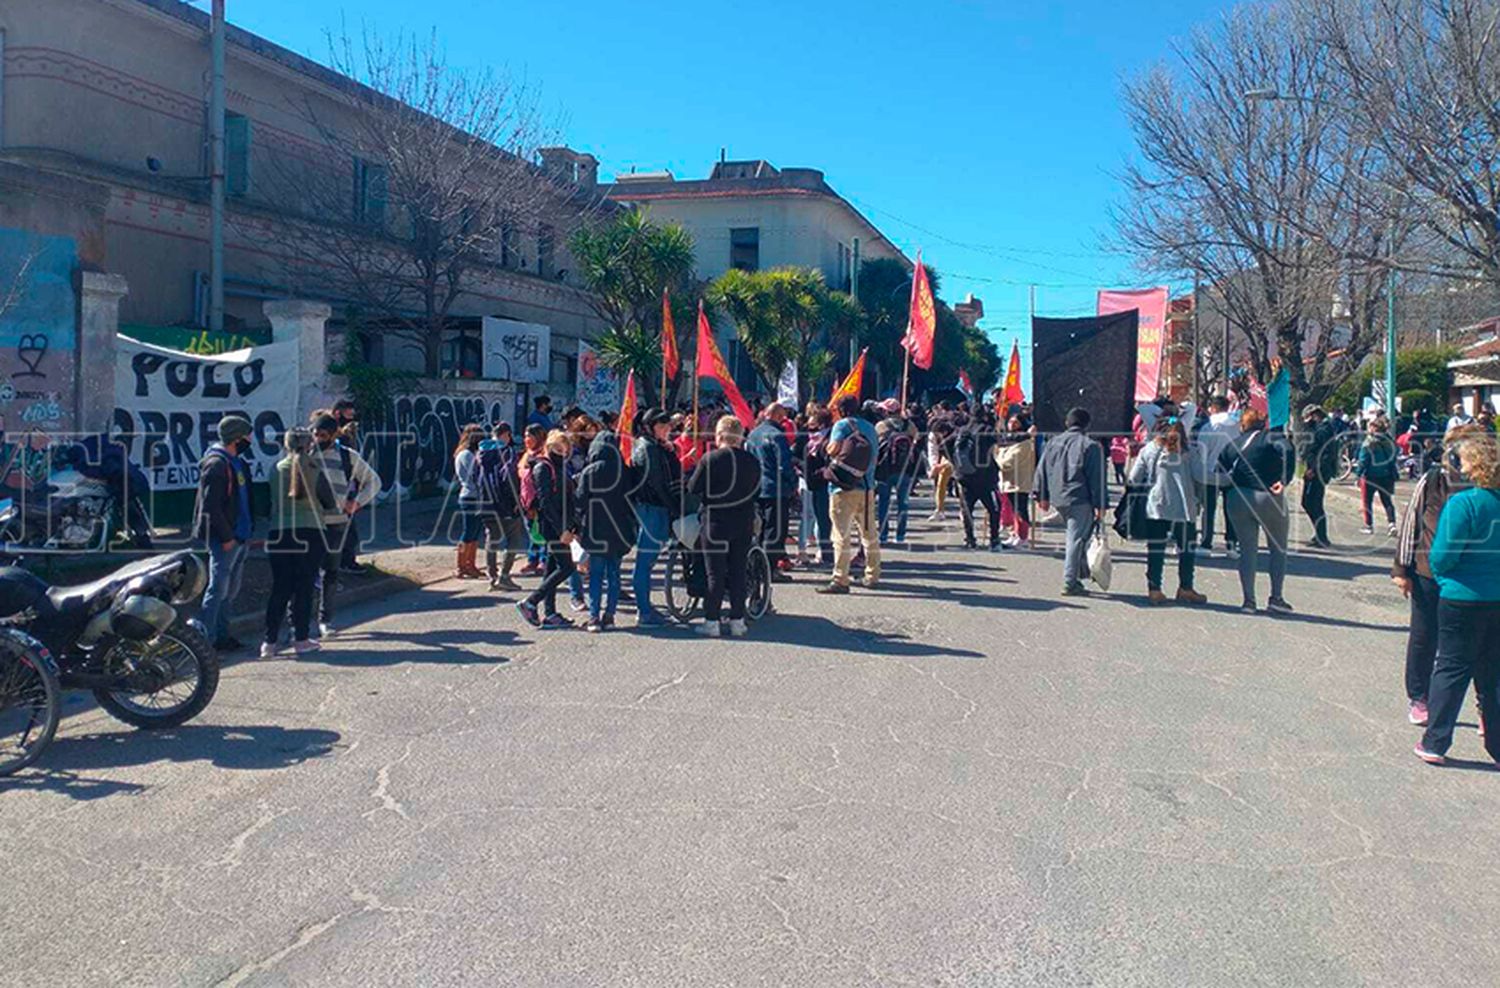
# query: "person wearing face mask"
[222,518]
[355,484]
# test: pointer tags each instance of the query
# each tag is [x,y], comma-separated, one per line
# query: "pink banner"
[1151,303]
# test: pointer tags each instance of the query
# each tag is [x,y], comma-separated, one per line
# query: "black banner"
[1084,363]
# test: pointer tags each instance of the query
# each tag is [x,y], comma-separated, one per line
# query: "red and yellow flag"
[628,409]
[921,327]
[854,383]
[671,363]
[1012,394]
[711,364]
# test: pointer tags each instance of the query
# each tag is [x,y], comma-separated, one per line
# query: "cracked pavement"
[958,779]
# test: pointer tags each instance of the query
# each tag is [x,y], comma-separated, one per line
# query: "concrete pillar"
[305,322]
[98,322]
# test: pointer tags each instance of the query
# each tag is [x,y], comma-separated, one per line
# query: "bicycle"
[687,578]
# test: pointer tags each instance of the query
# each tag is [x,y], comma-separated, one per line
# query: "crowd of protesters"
[574,500]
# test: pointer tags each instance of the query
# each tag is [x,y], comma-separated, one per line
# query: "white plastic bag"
[1100,559]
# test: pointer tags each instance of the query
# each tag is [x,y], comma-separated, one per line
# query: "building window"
[510,242]
[744,248]
[236,154]
[564,369]
[546,245]
[369,193]
[463,356]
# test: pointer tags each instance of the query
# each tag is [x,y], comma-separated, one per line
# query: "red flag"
[964,384]
[711,364]
[921,328]
[628,408]
[854,383]
[670,362]
[1012,393]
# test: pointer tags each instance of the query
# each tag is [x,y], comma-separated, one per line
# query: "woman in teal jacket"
[1465,560]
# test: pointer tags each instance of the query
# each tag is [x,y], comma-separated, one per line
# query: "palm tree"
[627,263]
[781,315]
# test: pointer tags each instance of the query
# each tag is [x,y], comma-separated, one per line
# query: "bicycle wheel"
[30,707]
[681,604]
[757,583]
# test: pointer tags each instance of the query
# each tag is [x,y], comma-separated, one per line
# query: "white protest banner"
[168,404]
[599,388]
[515,351]
[786,388]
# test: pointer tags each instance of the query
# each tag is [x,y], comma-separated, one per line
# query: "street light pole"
[853,292]
[216,169]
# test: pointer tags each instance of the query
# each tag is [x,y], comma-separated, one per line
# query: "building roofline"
[791,183]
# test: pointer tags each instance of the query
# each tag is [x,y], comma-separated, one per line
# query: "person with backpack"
[851,450]
[978,476]
[500,501]
[1070,478]
[534,442]
[466,473]
[607,524]
[1376,469]
[223,520]
[356,485]
[658,502]
[547,493]
[778,485]
[896,463]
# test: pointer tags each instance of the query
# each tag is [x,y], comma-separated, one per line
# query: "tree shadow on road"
[257,747]
[812,631]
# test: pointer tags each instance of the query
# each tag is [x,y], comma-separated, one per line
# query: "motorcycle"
[121,636]
[94,493]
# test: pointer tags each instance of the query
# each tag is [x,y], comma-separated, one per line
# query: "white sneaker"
[737,628]
[269,650]
[326,630]
[1366,530]
[709,629]
[1391,531]
[305,645]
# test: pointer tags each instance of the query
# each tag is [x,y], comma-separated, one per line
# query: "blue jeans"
[604,577]
[901,486]
[656,529]
[226,568]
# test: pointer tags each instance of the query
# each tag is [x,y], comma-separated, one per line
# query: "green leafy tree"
[783,315]
[627,262]
[1418,369]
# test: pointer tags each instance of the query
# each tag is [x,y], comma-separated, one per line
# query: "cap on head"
[1311,410]
[233,428]
[890,406]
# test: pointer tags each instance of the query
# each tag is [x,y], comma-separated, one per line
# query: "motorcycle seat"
[73,598]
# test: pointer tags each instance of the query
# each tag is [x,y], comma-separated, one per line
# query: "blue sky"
[988,133]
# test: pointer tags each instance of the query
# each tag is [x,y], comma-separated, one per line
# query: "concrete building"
[754,216]
[103,139]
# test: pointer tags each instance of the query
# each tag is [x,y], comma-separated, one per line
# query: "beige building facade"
[103,109]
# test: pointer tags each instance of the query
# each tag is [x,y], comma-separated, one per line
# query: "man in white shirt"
[1459,416]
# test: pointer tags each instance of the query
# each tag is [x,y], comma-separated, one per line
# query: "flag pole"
[905,377]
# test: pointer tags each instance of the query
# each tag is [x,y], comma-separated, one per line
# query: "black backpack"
[895,455]
[499,479]
[848,469]
[966,454]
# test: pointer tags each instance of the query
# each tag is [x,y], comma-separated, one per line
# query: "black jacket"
[727,481]
[1320,451]
[607,523]
[1258,460]
[556,506]
[218,497]
[658,475]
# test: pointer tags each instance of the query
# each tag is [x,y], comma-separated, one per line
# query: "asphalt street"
[959,778]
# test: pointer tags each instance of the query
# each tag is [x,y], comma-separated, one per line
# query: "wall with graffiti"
[411,443]
[38,348]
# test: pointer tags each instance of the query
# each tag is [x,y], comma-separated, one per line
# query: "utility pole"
[216,169]
[853,292]
[1390,344]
